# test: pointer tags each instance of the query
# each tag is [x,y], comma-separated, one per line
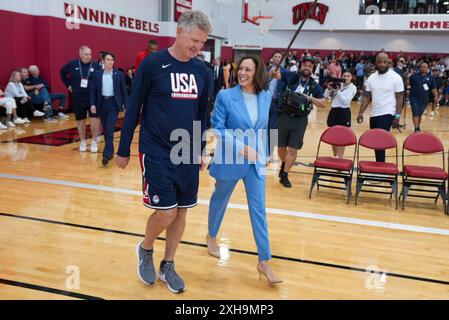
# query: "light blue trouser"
[255,194]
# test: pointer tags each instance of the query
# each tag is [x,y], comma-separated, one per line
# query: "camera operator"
[301,94]
[342,94]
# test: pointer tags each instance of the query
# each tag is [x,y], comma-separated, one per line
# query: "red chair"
[447,194]
[377,139]
[424,176]
[338,136]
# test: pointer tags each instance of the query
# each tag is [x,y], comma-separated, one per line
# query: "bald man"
[385,91]
[78,76]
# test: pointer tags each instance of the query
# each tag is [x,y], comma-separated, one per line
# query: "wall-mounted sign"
[429,25]
[181,6]
[78,13]
[319,13]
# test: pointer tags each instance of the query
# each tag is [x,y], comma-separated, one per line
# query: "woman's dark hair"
[260,75]
[108,54]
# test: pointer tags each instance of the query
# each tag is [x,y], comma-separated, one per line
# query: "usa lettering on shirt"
[184,86]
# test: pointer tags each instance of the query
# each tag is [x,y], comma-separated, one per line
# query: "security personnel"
[301,94]
[421,84]
[108,97]
[77,76]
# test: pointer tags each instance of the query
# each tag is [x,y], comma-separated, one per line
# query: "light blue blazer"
[233,130]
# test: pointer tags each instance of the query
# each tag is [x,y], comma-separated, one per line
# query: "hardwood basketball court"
[62,214]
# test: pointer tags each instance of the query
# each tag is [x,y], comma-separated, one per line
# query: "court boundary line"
[35,287]
[281,212]
[246,252]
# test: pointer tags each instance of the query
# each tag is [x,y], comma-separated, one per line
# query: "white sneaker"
[432,114]
[62,115]
[83,146]
[26,120]
[2,126]
[94,147]
[98,139]
[50,120]
[11,124]
[19,121]
[37,113]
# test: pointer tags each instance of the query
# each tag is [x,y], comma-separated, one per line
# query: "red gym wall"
[46,42]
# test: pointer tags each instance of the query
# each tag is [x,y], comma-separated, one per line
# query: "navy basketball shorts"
[418,108]
[81,108]
[167,186]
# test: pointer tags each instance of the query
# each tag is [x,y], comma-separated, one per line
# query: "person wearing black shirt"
[77,76]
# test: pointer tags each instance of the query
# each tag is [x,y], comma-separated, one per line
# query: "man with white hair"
[44,92]
[77,76]
[172,86]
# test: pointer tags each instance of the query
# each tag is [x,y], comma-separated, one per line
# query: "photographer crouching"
[341,91]
[301,93]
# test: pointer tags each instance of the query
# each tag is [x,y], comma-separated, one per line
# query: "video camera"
[333,83]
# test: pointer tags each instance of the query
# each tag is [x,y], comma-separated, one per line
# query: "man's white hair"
[83,48]
[195,18]
[33,68]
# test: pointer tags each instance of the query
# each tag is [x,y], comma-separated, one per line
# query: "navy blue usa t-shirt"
[174,94]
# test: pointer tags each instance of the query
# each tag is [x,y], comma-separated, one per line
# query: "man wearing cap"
[422,85]
[293,118]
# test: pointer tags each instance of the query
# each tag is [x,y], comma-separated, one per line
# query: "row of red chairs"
[431,180]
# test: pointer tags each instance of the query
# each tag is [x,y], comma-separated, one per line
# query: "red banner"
[181,6]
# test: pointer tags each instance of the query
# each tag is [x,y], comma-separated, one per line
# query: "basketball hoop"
[264,23]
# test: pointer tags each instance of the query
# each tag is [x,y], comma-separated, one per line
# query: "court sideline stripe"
[246,252]
[48,289]
[281,212]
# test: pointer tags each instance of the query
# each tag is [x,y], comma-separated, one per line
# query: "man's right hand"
[360,118]
[122,162]
[275,74]
[70,89]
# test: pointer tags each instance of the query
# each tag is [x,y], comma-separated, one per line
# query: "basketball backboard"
[253,12]
[251,8]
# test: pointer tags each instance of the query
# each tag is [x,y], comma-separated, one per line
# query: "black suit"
[218,75]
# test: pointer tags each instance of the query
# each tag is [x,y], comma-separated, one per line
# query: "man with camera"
[301,94]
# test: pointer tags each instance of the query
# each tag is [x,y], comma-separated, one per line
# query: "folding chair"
[424,176]
[338,136]
[377,139]
[447,194]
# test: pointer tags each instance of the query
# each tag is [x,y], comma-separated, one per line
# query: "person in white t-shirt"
[385,91]
[340,114]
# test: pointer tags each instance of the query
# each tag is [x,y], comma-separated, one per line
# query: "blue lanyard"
[81,70]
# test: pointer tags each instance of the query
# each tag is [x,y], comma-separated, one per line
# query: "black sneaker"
[282,169]
[106,160]
[418,129]
[284,180]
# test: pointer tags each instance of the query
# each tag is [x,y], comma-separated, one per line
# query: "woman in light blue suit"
[240,121]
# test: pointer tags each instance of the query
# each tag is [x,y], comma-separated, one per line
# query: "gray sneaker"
[145,265]
[168,275]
